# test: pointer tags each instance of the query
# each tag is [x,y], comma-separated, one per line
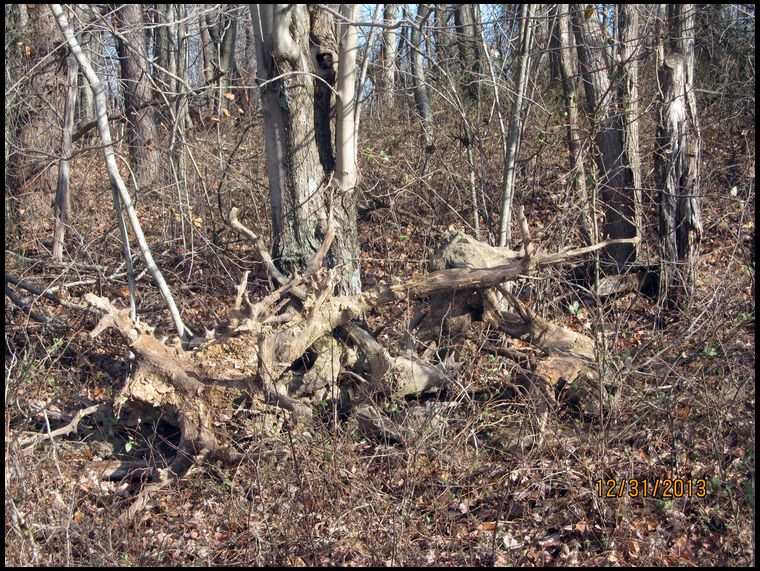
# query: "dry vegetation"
[459,491]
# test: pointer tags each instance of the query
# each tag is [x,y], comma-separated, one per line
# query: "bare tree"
[677,157]
[421,96]
[296,50]
[515,125]
[35,70]
[468,48]
[616,175]
[142,135]
[629,55]
[165,47]
[388,54]
[62,197]
[227,64]
[568,71]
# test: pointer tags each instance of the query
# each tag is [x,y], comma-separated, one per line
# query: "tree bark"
[39,62]
[568,71]
[388,54]
[207,48]
[616,176]
[62,194]
[630,52]
[182,107]
[227,64]
[468,48]
[421,97]
[142,135]
[345,246]
[515,126]
[677,159]
[291,46]
[91,41]
[165,48]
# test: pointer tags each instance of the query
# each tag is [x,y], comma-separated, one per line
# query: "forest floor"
[682,419]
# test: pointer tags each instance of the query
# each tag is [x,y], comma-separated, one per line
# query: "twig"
[36,438]
[45,293]
[25,306]
[563,255]
[266,258]
[65,265]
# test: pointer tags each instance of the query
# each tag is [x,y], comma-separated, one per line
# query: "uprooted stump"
[280,352]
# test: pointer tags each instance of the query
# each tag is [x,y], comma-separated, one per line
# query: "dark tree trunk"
[616,175]
[630,41]
[227,64]
[142,136]
[421,97]
[468,47]
[388,54]
[41,62]
[568,71]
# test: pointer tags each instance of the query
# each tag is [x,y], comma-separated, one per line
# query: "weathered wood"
[258,353]
[677,158]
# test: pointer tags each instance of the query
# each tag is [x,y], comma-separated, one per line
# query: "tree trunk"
[182,107]
[612,159]
[388,54]
[40,109]
[165,48]
[443,38]
[421,97]
[287,41]
[568,70]
[515,126]
[207,47]
[345,248]
[324,48]
[142,135]
[62,197]
[227,65]
[468,48]
[630,41]
[677,159]
[92,42]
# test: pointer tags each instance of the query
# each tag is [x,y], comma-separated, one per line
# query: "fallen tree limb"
[10,278]
[72,426]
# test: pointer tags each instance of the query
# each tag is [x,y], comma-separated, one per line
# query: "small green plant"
[710,351]
[574,308]
[131,443]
